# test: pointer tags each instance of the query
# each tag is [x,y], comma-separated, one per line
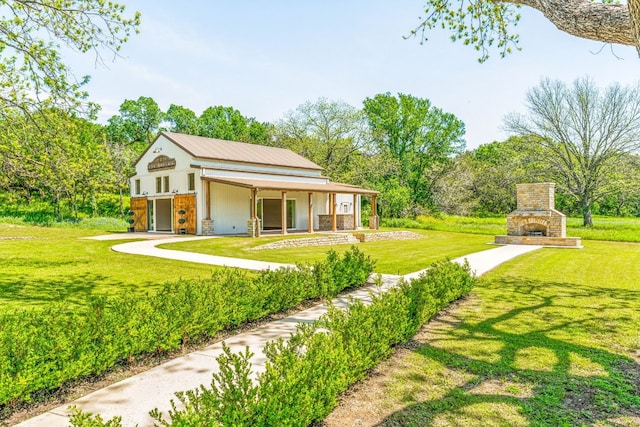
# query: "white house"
[196,185]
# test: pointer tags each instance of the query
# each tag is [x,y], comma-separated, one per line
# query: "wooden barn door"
[139,207]
[184,203]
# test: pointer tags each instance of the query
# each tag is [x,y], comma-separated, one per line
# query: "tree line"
[584,138]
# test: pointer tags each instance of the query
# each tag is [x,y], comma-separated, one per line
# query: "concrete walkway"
[148,248]
[134,397]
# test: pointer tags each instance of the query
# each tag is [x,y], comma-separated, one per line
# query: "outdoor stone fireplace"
[536,221]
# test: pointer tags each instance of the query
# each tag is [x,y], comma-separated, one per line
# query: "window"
[137,186]
[166,184]
[158,184]
[191,181]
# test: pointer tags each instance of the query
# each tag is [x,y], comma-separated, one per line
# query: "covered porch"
[289,206]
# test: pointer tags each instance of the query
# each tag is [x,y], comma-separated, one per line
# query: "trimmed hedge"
[41,350]
[305,375]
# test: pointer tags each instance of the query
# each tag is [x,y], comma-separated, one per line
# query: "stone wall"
[253,227]
[207,227]
[343,222]
[387,235]
[325,240]
[572,242]
[536,197]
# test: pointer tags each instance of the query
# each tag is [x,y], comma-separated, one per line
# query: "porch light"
[157,150]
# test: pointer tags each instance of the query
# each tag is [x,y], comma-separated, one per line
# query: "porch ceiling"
[263,184]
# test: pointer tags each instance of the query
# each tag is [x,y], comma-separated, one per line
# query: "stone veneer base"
[565,242]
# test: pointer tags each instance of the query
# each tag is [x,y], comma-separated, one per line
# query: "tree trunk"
[587,220]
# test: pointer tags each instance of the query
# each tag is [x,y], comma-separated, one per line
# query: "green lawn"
[604,228]
[549,339]
[392,257]
[56,264]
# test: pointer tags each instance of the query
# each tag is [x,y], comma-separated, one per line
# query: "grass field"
[604,228]
[549,339]
[42,265]
[392,257]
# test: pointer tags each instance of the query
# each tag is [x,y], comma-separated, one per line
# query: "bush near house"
[305,375]
[40,350]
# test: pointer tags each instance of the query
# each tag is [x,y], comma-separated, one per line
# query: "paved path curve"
[134,397]
[148,247]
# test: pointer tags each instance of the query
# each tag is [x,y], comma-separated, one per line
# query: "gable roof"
[219,149]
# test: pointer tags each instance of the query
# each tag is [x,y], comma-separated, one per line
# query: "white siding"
[230,208]
[177,176]
[277,170]
[265,176]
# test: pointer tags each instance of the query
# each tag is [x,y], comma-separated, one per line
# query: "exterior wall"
[536,197]
[178,176]
[320,207]
[230,208]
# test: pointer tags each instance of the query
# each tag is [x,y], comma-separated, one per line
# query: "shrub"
[305,375]
[41,350]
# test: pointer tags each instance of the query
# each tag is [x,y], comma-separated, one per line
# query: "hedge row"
[41,350]
[305,375]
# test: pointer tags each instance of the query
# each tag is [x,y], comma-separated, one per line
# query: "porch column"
[374,220]
[284,212]
[334,219]
[355,222]
[207,223]
[310,217]
[253,225]
[207,199]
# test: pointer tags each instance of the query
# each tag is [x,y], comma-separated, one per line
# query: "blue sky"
[266,58]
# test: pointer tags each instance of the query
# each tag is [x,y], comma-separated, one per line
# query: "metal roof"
[264,184]
[219,149]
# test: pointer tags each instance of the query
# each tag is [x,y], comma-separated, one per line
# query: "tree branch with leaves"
[33,74]
[488,24]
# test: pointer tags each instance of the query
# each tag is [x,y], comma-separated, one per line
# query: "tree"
[33,74]
[483,181]
[223,123]
[416,134]
[229,124]
[485,23]
[140,118]
[56,156]
[584,132]
[182,120]
[330,133]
